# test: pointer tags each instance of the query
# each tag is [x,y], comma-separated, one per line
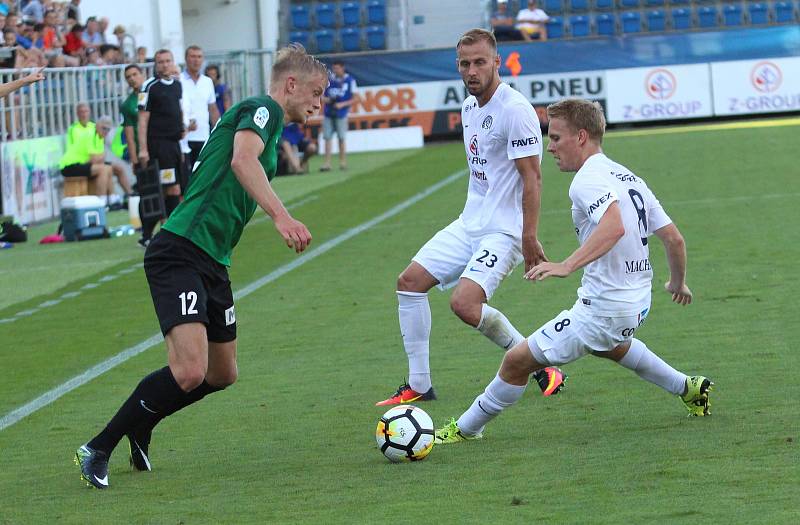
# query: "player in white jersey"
[614,214]
[496,230]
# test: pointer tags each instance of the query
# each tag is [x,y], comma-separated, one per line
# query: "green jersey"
[215,206]
[130,114]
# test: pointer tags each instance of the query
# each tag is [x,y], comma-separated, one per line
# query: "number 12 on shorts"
[188,303]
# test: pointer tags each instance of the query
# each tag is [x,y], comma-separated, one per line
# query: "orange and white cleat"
[406,394]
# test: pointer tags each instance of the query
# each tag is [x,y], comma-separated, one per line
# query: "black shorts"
[77,170]
[188,286]
[168,153]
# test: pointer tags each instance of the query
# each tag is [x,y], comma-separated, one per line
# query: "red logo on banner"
[660,84]
[766,77]
[512,63]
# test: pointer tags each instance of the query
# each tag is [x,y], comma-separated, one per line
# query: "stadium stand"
[606,24]
[376,37]
[579,25]
[326,15]
[784,12]
[301,37]
[350,38]
[301,17]
[629,4]
[604,5]
[631,22]
[732,15]
[758,12]
[351,13]
[707,16]
[656,20]
[553,7]
[555,28]
[578,6]
[681,19]
[325,40]
[376,13]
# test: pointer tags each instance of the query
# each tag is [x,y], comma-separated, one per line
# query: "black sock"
[171,202]
[146,427]
[156,394]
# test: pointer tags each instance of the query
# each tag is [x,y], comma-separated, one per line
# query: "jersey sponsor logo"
[628,332]
[261,117]
[473,145]
[230,316]
[528,141]
[487,122]
[642,265]
[625,177]
[477,160]
[596,204]
[479,175]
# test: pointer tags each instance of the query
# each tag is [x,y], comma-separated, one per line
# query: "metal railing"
[47,108]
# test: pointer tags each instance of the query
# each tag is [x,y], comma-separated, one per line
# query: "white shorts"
[452,254]
[576,332]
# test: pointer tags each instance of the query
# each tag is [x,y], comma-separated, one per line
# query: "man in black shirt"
[160,131]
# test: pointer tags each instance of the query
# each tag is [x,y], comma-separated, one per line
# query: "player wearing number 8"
[614,213]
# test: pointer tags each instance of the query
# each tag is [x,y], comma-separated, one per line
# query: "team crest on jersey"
[261,117]
[473,145]
[487,122]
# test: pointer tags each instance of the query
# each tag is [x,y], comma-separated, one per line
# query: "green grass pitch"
[293,440]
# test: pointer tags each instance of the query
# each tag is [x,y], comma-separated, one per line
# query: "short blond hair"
[294,59]
[580,114]
[473,36]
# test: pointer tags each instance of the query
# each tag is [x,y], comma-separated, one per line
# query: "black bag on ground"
[13,233]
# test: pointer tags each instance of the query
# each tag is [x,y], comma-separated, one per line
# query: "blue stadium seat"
[606,24]
[301,18]
[351,13]
[301,37]
[679,2]
[628,4]
[759,13]
[655,3]
[732,15]
[707,17]
[326,15]
[555,28]
[631,22]
[325,40]
[784,12]
[578,5]
[579,25]
[376,14]
[553,6]
[681,19]
[351,39]
[376,37]
[603,5]
[656,20]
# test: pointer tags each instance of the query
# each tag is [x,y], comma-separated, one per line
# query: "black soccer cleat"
[94,466]
[138,452]
[550,380]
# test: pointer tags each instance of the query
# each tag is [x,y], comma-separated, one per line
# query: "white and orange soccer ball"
[405,433]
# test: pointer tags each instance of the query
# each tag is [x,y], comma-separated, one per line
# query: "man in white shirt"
[531,22]
[496,230]
[199,104]
[614,213]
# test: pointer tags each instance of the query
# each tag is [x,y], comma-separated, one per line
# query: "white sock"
[498,329]
[415,327]
[497,397]
[650,367]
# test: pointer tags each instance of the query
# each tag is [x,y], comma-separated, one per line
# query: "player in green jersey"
[186,262]
[130,112]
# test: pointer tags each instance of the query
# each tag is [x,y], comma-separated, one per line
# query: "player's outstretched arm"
[675,247]
[247,147]
[609,230]
[14,85]
[531,174]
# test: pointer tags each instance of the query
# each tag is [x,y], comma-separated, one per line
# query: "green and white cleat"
[696,397]
[450,433]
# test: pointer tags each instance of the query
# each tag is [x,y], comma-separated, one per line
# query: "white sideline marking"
[50,396]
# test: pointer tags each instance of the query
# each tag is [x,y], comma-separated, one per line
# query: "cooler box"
[83,218]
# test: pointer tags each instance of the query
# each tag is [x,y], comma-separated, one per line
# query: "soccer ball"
[405,433]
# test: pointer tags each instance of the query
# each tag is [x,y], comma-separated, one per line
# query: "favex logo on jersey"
[519,143]
[596,204]
[473,145]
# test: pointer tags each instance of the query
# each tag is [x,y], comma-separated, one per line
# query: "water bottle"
[133,211]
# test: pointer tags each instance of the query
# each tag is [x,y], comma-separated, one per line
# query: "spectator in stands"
[130,113]
[93,57]
[221,91]
[294,143]
[531,22]
[200,102]
[24,29]
[73,42]
[126,43]
[35,10]
[51,34]
[84,152]
[141,55]
[14,85]
[91,35]
[102,26]
[74,10]
[160,131]
[503,24]
[110,54]
[338,98]
[113,156]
